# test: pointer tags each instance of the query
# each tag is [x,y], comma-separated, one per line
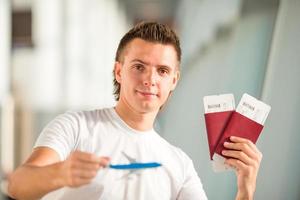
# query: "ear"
[175,80]
[117,71]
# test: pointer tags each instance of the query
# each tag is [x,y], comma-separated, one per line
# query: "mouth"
[147,94]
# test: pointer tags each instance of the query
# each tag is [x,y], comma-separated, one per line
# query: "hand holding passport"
[223,121]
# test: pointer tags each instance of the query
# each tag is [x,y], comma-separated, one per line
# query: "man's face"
[148,73]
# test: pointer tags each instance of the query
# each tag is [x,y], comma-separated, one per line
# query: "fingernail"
[226,143]
[224,152]
[105,160]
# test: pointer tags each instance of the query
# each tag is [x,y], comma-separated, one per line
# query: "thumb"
[104,161]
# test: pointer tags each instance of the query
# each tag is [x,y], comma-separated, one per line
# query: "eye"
[163,71]
[139,67]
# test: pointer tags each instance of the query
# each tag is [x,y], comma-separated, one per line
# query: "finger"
[86,157]
[237,164]
[104,161]
[256,153]
[78,181]
[240,155]
[241,147]
[91,158]
[244,140]
[84,174]
[82,165]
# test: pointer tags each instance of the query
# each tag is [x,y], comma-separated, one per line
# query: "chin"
[147,108]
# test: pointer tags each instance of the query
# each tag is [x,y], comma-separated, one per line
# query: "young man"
[71,156]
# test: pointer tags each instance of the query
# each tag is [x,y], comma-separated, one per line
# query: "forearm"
[32,182]
[245,195]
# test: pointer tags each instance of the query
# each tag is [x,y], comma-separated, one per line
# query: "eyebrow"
[146,63]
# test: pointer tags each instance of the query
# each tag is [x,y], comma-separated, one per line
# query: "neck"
[141,121]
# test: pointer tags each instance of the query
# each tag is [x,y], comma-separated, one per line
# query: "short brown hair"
[151,32]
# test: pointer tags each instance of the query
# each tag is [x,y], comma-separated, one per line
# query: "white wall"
[279,175]
[72,57]
[5,44]
[235,63]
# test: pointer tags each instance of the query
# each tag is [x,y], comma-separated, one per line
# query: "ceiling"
[159,10]
[135,10]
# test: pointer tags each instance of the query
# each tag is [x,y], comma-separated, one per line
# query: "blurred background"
[58,55]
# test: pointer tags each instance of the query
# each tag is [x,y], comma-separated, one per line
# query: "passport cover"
[215,125]
[240,126]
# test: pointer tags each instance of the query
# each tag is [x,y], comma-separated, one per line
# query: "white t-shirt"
[104,133]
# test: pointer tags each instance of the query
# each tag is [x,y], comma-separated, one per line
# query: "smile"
[147,94]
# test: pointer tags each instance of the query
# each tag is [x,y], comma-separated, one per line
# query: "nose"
[150,78]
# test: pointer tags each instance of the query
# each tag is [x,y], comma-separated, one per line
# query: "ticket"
[254,109]
[218,103]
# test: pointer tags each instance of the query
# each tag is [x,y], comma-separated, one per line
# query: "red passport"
[221,125]
[240,126]
[215,125]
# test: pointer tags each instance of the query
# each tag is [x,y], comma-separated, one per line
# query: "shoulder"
[67,131]
[72,123]
[84,116]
